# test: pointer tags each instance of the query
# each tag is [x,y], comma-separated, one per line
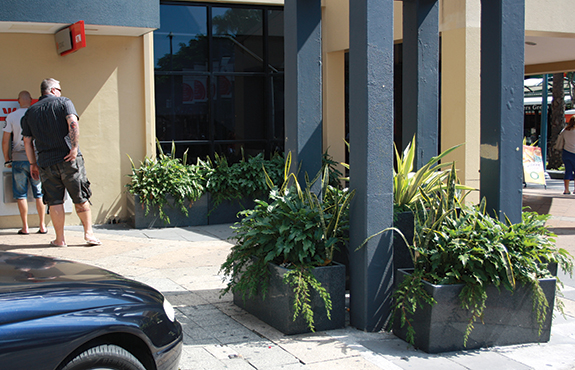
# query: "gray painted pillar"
[502,73]
[371,160]
[303,84]
[421,77]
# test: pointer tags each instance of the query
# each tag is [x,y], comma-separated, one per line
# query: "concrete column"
[502,73]
[303,84]
[421,77]
[371,160]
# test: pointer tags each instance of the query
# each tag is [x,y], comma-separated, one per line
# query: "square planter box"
[227,211]
[508,318]
[277,308]
[201,212]
[404,221]
[197,214]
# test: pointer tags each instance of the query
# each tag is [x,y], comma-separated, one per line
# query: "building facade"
[210,77]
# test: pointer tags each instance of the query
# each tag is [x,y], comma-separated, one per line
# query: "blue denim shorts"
[569,162]
[20,179]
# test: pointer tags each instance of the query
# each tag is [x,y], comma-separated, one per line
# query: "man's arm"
[6,148]
[74,134]
[31,154]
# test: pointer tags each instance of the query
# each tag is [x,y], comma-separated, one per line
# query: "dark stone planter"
[197,214]
[277,308]
[201,212]
[401,256]
[227,211]
[508,318]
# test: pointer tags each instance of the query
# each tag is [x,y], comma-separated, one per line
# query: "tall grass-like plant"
[296,229]
[409,186]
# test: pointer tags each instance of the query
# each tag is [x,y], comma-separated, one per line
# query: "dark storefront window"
[219,79]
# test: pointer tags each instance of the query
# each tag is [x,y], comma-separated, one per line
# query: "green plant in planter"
[410,187]
[457,244]
[243,179]
[296,229]
[156,178]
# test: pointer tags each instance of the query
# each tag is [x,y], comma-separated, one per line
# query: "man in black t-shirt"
[53,124]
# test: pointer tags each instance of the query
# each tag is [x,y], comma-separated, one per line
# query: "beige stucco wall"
[543,17]
[461,87]
[106,82]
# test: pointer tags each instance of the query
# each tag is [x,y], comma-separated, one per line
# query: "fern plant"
[458,244]
[465,245]
[163,175]
[243,179]
[296,229]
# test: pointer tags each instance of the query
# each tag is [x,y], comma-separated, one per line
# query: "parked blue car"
[63,315]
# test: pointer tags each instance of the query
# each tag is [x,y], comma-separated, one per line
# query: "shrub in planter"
[412,187]
[168,181]
[167,175]
[295,229]
[455,244]
[245,179]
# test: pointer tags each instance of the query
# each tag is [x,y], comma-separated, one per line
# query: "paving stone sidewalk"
[183,263]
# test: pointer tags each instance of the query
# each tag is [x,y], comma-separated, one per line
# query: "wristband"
[7,162]
[33,164]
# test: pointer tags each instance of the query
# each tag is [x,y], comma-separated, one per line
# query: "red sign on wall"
[71,38]
[8,106]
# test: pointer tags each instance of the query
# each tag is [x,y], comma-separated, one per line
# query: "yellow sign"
[533,170]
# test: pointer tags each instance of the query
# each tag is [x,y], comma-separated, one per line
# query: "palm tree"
[557,119]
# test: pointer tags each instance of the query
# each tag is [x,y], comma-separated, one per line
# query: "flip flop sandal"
[93,242]
[52,244]
[22,232]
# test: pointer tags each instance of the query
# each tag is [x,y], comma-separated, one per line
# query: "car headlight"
[169,310]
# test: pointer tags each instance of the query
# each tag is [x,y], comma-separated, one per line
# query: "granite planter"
[197,213]
[227,211]
[277,308]
[404,221]
[201,212]
[508,318]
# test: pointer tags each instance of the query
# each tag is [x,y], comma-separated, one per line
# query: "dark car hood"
[34,286]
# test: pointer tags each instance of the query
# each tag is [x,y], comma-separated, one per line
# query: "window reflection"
[181,42]
[219,88]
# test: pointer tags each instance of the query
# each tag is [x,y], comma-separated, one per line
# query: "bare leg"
[85,214]
[58,216]
[566,184]
[41,208]
[23,208]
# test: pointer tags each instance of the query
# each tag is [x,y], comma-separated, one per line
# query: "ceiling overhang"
[52,28]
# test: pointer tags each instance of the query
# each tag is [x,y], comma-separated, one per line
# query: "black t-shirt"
[46,123]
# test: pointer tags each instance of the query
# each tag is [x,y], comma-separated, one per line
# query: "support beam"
[371,160]
[421,77]
[502,66]
[303,84]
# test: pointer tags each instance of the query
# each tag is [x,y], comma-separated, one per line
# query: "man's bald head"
[24,99]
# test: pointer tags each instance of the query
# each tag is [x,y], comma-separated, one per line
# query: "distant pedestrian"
[53,123]
[18,161]
[566,143]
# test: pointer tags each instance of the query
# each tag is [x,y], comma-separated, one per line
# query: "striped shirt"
[45,122]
